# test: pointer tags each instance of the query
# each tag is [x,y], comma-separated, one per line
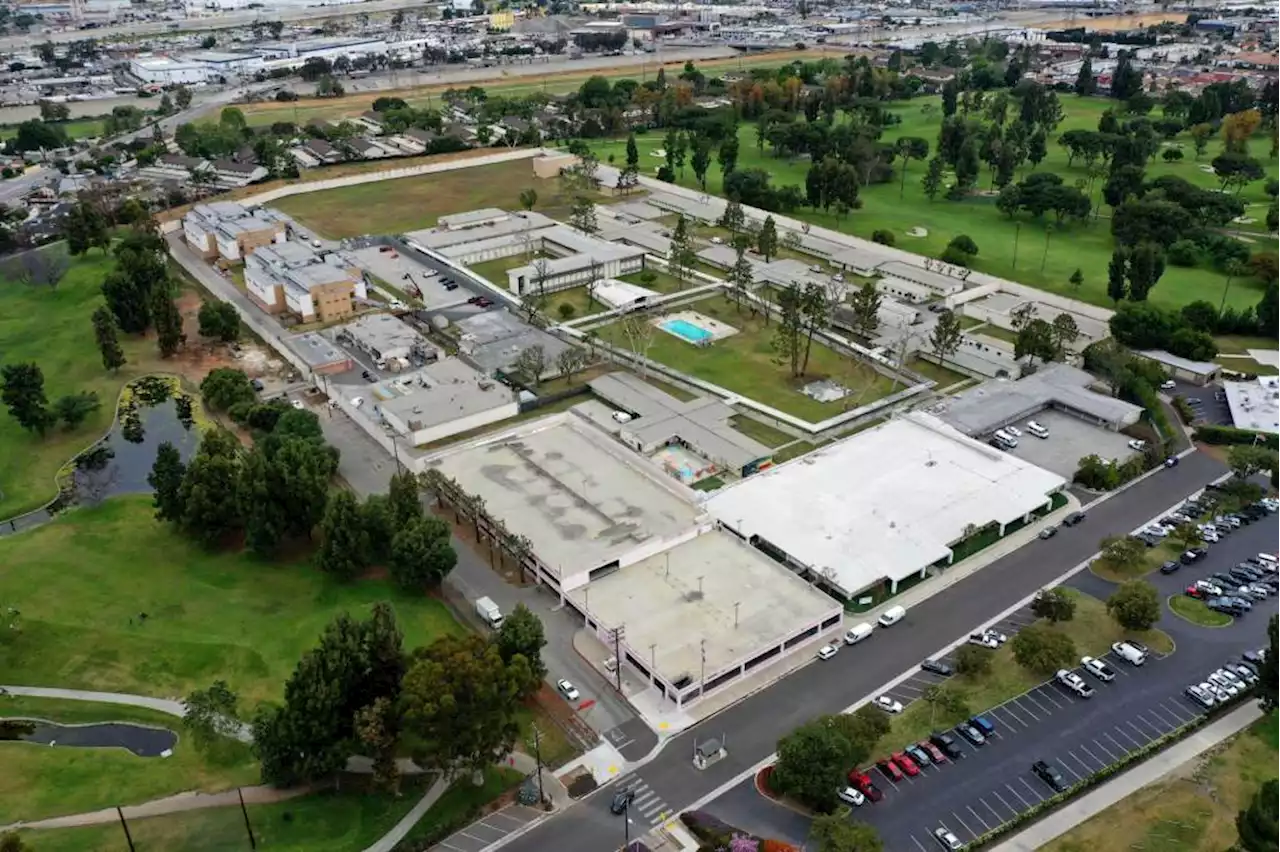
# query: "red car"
[889,768]
[862,783]
[933,751]
[906,764]
[1194,592]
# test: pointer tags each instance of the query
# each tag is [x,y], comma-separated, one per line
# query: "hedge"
[1105,774]
[1232,435]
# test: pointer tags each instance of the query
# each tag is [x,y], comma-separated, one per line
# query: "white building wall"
[196,236]
[453,427]
[169,75]
[260,285]
[228,246]
[299,302]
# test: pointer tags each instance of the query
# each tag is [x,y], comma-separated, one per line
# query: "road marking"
[1009,710]
[1173,711]
[1123,750]
[1008,806]
[482,824]
[655,807]
[508,816]
[918,844]
[1085,766]
[972,833]
[1032,790]
[1018,795]
[1109,752]
[999,819]
[647,799]
[1116,664]
[1101,763]
[1046,711]
[978,818]
[1144,737]
[1052,699]
[451,846]
[1160,728]
[473,837]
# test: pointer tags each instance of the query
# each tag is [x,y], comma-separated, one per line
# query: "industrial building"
[1255,405]
[226,230]
[292,277]
[386,338]
[882,506]
[494,339]
[167,71]
[441,400]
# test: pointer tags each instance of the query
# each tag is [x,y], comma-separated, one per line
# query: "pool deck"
[680,323]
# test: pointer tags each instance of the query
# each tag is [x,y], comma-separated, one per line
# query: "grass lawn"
[1197,613]
[1152,559]
[52,327]
[1044,263]
[78,128]
[407,204]
[576,298]
[1245,364]
[323,822]
[1194,811]
[762,432]
[1092,630]
[496,270]
[744,363]
[997,332]
[657,280]
[38,781]
[1240,344]
[461,804]
[944,376]
[82,581]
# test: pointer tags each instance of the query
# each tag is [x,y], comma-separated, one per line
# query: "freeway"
[751,728]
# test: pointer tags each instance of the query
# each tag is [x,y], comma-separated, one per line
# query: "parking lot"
[1070,439]
[990,785]
[488,830]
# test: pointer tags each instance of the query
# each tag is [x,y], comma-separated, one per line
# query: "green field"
[745,363]
[83,581]
[37,781]
[77,128]
[52,327]
[1086,246]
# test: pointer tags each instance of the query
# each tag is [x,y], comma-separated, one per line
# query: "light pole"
[537,756]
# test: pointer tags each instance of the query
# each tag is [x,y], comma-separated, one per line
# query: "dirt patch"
[1112,23]
[566,716]
[579,782]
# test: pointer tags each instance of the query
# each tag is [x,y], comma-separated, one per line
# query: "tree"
[741,276]
[701,160]
[404,499]
[462,700]
[1245,460]
[224,387]
[1086,84]
[835,833]
[909,148]
[1076,279]
[568,362]
[812,762]
[1236,170]
[946,335]
[727,156]
[681,257]
[865,310]
[1042,649]
[165,480]
[1054,605]
[1146,265]
[1065,332]
[211,715]
[1117,287]
[528,198]
[219,320]
[421,555]
[22,391]
[788,333]
[732,218]
[531,363]
[522,633]
[210,508]
[10,841]
[167,319]
[1200,136]
[105,334]
[1259,824]
[74,408]
[973,660]
[1267,672]
[1122,552]
[583,215]
[1037,146]
[932,180]
[345,543]
[767,239]
[1135,605]
[376,729]
[86,227]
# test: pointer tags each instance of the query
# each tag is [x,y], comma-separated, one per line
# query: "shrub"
[1185,412]
[883,237]
[964,243]
[954,256]
[1231,435]
[1184,253]
[566,310]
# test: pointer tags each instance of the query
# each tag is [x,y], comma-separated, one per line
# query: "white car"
[999,637]
[1231,676]
[1202,696]
[888,705]
[852,796]
[826,652]
[1168,384]
[982,640]
[1219,694]
[1137,445]
[1208,588]
[1225,684]
[947,840]
[568,690]
[1098,669]
[1131,652]
[1075,683]
[1211,536]
[356,402]
[1014,431]
[1156,530]
[297,404]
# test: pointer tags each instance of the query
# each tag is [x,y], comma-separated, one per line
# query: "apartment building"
[229,231]
[290,278]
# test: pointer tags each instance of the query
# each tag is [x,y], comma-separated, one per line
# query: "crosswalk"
[647,807]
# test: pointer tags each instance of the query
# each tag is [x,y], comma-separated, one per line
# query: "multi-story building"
[226,230]
[291,277]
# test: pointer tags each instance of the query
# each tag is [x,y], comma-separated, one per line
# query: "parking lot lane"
[1032,790]
[985,825]
[918,844]
[1010,808]
[963,825]
[1019,796]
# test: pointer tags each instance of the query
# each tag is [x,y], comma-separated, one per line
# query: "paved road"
[753,727]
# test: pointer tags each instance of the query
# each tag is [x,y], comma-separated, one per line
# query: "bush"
[971,659]
[1231,435]
[1184,253]
[883,237]
[566,310]
[1185,412]
[964,243]
[954,256]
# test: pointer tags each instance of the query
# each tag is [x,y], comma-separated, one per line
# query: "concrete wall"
[454,427]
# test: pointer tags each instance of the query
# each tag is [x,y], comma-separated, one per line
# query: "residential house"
[233,174]
[322,151]
[374,121]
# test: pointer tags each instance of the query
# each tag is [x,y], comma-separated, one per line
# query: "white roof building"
[883,505]
[1255,405]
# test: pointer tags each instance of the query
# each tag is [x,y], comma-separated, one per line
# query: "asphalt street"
[994,783]
[752,728]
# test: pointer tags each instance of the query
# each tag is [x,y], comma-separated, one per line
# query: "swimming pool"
[687,331]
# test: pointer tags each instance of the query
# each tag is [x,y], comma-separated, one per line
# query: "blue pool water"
[687,330]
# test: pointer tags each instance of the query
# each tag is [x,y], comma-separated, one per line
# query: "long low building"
[884,505]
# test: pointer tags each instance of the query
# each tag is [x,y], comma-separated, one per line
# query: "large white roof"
[884,503]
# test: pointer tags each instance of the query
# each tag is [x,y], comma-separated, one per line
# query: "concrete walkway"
[189,801]
[1144,774]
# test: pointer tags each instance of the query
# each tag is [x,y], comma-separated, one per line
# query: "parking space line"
[1144,737]
[1164,714]
[1101,763]
[1115,665]
[1009,710]
[1051,698]
[1041,707]
[918,844]
[1066,767]
[451,846]
[505,816]
[999,819]
[1123,749]
[1158,726]
[1083,765]
[1031,790]
[1114,757]
[978,818]
[972,833]
[1008,806]
[1018,796]
[1195,710]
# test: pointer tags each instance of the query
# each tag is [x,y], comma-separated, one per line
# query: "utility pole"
[537,756]
[702,679]
[253,844]
[618,633]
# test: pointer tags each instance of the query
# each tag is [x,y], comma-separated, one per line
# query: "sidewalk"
[1146,773]
[260,795]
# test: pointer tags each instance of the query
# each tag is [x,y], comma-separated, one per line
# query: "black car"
[1244,576]
[972,734]
[993,442]
[938,667]
[1073,519]
[1149,539]
[1050,775]
[366,375]
[947,743]
[1170,567]
[622,800]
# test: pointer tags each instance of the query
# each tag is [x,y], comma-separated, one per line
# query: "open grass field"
[1195,811]
[52,327]
[82,582]
[1092,630]
[407,204]
[80,128]
[322,822]
[501,83]
[745,363]
[1084,246]
[944,376]
[37,781]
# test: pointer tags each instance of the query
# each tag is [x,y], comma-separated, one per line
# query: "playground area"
[683,464]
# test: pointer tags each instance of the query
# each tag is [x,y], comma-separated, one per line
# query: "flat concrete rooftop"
[713,588]
[581,499]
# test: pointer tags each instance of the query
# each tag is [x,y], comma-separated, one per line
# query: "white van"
[1130,654]
[857,633]
[1006,439]
[892,616]
[1036,429]
[1268,561]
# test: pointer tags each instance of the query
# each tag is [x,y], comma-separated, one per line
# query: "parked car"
[1048,532]
[1137,445]
[919,755]
[568,690]
[1168,384]
[972,734]
[1074,682]
[1073,519]
[889,769]
[983,641]
[851,796]
[984,725]
[826,652]
[905,763]
[938,667]
[1170,567]
[935,753]
[947,743]
[947,840]
[1201,695]
[1098,669]
[862,782]
[1050,775]
[888,704]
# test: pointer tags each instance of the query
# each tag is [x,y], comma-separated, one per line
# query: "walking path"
[189,801]
[1144,774]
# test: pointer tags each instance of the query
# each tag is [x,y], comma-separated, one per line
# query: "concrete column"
[1002,529]
[893,586]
